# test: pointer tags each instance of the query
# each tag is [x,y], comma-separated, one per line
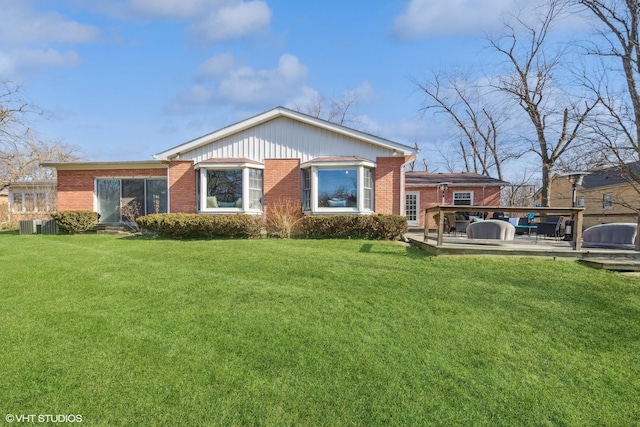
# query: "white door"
[412,208]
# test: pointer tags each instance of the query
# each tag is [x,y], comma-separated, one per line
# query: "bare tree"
[616,86]
[21,151]
[338,110]
[481,147]
[558,117]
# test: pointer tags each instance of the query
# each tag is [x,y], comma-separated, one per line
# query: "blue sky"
[125,79]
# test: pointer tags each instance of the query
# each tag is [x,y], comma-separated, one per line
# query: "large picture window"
[227,189]
[338,187]
[142,196]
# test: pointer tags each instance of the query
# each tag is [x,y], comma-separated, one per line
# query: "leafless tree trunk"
[21,152]
[557,117]
[481,147]
[618,48]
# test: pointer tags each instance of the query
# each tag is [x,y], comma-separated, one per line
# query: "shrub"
[182,225]
[76,221]
[379,227]
[284,218]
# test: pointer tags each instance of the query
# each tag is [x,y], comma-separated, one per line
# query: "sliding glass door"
[140,196]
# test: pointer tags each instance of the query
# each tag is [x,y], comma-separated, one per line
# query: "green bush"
[378,227]
[76,221]
[182,225]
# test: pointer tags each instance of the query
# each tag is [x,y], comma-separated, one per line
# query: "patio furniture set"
[603,236]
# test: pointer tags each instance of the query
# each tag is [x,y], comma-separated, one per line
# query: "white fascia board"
[294,115]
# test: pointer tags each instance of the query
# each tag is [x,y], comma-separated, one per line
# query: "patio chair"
[523,226]
[450,223]
[551,227]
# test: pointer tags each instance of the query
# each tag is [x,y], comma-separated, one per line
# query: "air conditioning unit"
[28,226]
[38,226]
[49,226]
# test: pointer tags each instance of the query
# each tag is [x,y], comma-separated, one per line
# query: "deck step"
[613,264]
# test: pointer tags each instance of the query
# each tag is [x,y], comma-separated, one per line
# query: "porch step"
[112,229]
[619,264]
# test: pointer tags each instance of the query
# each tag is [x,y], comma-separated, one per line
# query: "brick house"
[279,155]
[424,189]
[606,194]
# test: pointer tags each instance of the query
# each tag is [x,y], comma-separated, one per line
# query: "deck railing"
[441,211]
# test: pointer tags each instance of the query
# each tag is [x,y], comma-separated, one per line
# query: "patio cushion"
[491,229]
[611,236]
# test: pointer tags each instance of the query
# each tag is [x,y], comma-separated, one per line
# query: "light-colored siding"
[284,138]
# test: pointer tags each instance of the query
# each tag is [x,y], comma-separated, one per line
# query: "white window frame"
[463,192]
[246,188]
[41,202]
[608,200]
[360,166]
[416,195]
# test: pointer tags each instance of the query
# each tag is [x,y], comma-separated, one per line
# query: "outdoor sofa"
[611,236]
[491,229]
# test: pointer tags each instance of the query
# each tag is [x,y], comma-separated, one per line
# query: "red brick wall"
[76,188]
[182,187]
[389,177]
[282,181]
[432,196]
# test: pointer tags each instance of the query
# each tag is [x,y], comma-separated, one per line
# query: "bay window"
[338,186]
[226,188]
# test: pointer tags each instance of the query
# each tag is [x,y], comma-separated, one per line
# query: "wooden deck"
[610,259]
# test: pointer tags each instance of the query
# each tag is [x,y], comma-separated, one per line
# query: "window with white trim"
[230,188]
[306,189]
[339,187]
[32,201]
[607,201]
[463,198]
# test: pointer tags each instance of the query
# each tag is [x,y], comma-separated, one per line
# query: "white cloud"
[442,18]
[207,20]
[26,36]
[23,26]
[236,20]
[216,66]
[423,18]
[172,8]
[223,79]
[28,60]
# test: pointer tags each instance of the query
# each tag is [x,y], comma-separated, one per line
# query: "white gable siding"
[284,138]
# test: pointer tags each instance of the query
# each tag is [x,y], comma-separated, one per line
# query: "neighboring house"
[605,195]
[424,189]
[31,199]
[249,167]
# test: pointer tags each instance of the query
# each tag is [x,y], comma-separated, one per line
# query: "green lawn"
[133,331]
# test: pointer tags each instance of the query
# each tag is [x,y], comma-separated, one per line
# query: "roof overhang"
[396,148]
[228,163]
[145,164]
[338,162]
